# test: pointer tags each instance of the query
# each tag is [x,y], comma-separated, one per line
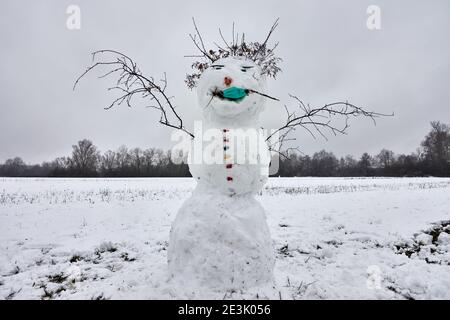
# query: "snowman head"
[226,89]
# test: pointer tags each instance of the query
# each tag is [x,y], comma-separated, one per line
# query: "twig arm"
[321,120]
[131,82]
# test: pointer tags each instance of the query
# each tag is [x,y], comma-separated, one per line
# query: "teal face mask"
[234,93]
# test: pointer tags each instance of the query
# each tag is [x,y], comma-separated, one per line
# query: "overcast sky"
[328,54]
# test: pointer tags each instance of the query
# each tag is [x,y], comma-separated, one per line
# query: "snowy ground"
[335,238]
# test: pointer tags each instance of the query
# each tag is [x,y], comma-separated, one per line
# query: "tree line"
[87,161]
[432,158]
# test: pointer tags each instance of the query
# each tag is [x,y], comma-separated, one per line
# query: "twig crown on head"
[259,52]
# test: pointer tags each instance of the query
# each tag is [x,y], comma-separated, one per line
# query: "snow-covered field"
[335,238]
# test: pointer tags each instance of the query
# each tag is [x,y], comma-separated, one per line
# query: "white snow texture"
[335,238]
[220,238]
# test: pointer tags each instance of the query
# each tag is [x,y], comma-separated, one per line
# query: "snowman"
[220,238]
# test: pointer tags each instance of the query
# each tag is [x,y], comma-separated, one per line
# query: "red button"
[229,179]
[229,166]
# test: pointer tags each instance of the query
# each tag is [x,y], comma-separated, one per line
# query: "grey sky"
[328,54]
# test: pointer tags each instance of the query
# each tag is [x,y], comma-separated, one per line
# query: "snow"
[221,242]
[220,239]
[334,238]
[444,238]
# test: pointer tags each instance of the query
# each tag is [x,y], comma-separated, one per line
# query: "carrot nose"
[227,81]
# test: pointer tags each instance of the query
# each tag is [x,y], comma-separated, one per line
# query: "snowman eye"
[217,66]
[245,68]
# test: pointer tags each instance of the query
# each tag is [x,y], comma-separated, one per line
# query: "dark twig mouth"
[262,94]
[216,93]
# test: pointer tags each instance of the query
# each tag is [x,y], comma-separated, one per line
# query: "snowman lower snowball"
[220,238]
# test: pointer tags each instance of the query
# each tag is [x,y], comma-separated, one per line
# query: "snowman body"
[220,238]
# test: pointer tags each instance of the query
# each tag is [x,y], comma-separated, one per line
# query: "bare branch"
[264,44]
[320,120]
[262,94]
[200,46]
[132,82]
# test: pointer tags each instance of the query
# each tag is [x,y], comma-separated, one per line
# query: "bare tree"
[365,164]
[160,158]
[85,157]
[14,167]
[122,158]
[108,162]
[137,160]
[148,160]
[324,164]
[348,166]
[385,158]
[436,148]
[60,164]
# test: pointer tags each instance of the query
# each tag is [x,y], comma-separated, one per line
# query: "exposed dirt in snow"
[334,239]
[431,245]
